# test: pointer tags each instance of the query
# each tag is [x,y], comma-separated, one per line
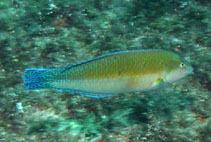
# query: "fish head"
[177,68]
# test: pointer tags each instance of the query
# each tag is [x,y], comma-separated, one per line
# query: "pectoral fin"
[157,82]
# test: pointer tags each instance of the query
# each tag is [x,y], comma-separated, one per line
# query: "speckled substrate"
[48,34]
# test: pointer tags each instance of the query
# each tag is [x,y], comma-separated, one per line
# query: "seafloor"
[58,33]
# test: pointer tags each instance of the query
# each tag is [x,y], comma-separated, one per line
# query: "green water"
[53,33]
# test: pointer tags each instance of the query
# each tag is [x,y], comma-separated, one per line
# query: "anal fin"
[88,94]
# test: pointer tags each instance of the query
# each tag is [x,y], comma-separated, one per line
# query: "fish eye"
[182,65]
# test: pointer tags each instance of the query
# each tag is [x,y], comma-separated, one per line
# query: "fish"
[111,74]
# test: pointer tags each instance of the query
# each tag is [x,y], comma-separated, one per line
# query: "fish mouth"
[191,70]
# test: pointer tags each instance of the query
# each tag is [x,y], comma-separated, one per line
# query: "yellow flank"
[122,65]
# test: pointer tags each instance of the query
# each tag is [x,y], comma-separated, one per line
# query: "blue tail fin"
[34,79]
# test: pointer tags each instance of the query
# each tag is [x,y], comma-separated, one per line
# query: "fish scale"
[114,73]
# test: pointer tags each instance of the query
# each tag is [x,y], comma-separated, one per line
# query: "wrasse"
[114,73]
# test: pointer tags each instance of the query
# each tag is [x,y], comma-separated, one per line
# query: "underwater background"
[58,33]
